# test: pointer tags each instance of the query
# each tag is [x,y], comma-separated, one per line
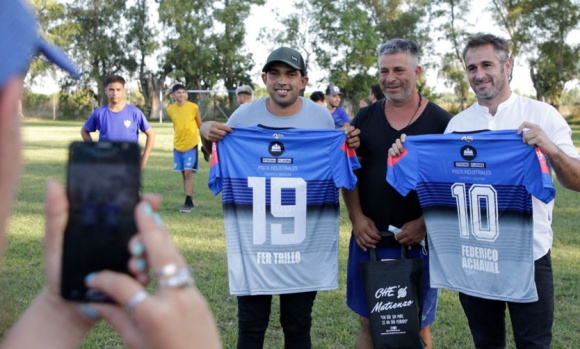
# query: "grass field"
[200,237]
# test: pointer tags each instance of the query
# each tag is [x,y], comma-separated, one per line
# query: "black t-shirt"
[379,201]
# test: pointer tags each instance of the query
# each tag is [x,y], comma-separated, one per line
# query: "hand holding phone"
[103,182]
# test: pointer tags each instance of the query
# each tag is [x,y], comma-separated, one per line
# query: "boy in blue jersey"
[119,121]
[284,75]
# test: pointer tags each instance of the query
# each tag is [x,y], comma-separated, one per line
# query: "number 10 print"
[483,212]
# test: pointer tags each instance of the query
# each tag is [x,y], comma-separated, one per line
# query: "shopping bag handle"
[375,256]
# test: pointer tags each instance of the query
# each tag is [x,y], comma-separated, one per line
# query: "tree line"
[201,42]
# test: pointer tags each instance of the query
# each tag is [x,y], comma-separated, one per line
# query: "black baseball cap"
[333,90]
[178,87]
[286,55]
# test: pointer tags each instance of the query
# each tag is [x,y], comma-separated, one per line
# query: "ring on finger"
[183,277]
[136,299]
[166,271]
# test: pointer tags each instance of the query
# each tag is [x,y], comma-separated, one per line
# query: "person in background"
[171,318]
[244,94]
[333,97]
[186,121]
[318,97]
[119,121]
[375,94]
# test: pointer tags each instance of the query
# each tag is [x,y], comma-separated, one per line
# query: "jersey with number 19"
[474,189]
[280,200]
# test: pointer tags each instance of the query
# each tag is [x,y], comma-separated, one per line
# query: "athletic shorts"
[356,298]
[185,160]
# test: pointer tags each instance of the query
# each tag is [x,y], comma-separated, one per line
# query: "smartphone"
[103,185]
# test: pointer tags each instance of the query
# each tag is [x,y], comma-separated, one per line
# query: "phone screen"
[103,183]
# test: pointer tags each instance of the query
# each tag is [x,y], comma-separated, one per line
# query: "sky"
[263,17]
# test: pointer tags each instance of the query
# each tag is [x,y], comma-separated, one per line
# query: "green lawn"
[200,237]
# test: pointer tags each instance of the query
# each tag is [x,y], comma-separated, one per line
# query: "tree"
[349,32]
[296,31]
[190,56]
[542,28]
[54,26]
[142,37]
[205,41]
[556,61]
[98,43]
[452,66]
[511,16]
[234,64]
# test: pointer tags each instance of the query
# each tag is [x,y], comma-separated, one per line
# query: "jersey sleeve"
[215,174]
[538,179]
[143,123]
[403,170]
[344,162]
[92,123]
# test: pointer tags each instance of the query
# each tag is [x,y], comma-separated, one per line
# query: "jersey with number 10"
[474,190]
[280,200]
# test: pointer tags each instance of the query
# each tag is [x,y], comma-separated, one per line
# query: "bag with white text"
[394,291]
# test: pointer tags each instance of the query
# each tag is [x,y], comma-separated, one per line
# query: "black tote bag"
[394,291]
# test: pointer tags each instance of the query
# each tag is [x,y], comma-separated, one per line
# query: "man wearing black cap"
[340,116]
[284,75]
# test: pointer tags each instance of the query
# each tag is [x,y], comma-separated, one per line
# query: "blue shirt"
[118,126]
[280,200]
[474,189]
[340,117]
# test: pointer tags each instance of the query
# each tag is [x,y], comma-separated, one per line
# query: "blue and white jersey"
[280,199]
[123,125]
[474,189]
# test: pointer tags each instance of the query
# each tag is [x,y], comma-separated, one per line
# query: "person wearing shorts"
[186,121]
[374,205]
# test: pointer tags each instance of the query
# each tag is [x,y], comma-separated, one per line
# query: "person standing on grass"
[172,318]
[186,122]
[119,121]
[488,70]
[374,205]
[284,75]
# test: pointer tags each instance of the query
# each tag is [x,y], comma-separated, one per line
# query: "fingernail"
[147,208]
[90,312]
[90,277]
[137,249]
[141,264]
[47,184]
[157,219]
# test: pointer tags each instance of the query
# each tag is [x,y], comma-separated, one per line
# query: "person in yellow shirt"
[186,121]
